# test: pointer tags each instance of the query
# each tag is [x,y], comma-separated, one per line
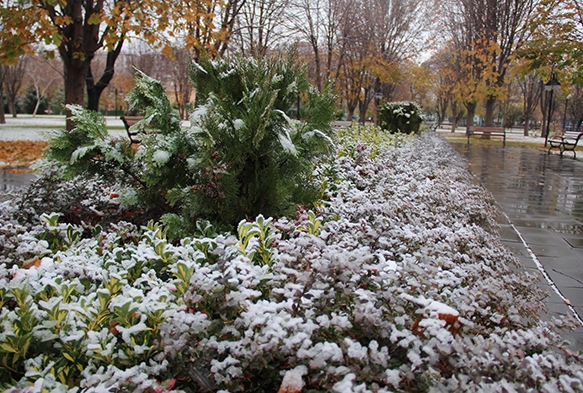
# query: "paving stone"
[574,242]
[546,250]
[542,195]
[507,233]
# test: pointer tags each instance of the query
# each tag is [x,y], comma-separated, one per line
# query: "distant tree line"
[459,60]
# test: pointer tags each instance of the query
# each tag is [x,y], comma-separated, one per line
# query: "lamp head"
[553,84]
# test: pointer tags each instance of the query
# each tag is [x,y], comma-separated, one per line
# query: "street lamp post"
[378,97]
[565,113]
[551,86]
[298,107]
[116,112]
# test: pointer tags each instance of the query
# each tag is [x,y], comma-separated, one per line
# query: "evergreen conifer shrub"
[258,160]
[241,156]
[400,117]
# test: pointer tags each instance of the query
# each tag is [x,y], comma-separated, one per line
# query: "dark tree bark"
[2,114]
[531,88]
[471,107]
[78,50]
[83,38]
[13,78]
[94,90]
[454,115]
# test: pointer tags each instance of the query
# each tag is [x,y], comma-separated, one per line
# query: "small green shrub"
[257,160]
[56,330]
[400,117]
[357,139]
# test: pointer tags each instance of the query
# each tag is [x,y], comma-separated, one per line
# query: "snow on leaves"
[397,283]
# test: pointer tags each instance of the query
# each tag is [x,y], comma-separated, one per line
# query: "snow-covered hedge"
[398,282]
[404,117]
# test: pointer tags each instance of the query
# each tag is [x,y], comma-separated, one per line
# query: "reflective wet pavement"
[542,198]
[11,179]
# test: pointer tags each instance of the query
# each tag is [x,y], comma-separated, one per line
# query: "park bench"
[486,132]
[338,124]
[566,141]
[133,134]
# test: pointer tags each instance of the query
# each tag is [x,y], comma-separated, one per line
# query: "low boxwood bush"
[400,117]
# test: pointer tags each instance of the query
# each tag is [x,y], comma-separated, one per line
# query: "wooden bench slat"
[566,142]
[128,122]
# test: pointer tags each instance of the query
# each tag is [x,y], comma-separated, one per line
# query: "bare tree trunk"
[75,76]
[532,88]
[471,107]
[13,77]
[544,104]
[12,105]
[351,107]
[489,115]
[442,105]
[94,90]
[38,97]
[39,71]
[365,102]
[453,115]
[318,65]
[2,115]
[362,107]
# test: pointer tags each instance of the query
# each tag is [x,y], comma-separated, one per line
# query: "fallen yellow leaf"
[20,153]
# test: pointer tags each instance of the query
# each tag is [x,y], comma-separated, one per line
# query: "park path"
[541,196]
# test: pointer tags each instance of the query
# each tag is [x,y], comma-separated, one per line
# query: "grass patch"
[528,143]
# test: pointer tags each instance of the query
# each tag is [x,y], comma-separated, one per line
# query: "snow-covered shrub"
[366,141]
[88,149]
[91,314]
[398,282]
[401,290]
[80,205]
[248,142]
[403,117]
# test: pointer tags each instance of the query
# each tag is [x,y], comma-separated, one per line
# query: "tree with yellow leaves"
[78,29]
[486,35]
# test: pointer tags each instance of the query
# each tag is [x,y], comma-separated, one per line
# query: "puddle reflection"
[542,190]
[12,179]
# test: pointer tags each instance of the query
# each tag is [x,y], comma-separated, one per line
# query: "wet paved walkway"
[542,198]
[11,179]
